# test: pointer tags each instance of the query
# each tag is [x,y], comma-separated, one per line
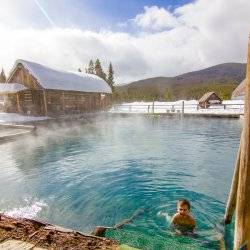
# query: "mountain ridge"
[222,78]
[239,68]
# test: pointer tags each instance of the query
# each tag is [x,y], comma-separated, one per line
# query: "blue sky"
[142,38]
[111,12]
[85,14]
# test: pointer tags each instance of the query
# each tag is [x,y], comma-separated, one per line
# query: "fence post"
[153,107]
[182,108]
[148,108]
[224,106]
[172,109]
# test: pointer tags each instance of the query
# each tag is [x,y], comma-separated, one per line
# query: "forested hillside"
[222,79]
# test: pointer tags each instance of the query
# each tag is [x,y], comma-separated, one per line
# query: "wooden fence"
[177,108]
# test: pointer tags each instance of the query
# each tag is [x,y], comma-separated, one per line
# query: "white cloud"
[155,18]
[70,49]
[204,33]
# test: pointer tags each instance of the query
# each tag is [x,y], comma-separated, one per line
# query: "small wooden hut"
[32,88]
[209,98]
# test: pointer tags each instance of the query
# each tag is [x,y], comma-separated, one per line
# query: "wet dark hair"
[184,202]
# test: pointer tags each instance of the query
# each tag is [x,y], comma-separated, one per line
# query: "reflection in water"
[99,173]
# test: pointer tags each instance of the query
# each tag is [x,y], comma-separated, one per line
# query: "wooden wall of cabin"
[10,103]
[106,101]
[31,102]
[58,102]
[72,102]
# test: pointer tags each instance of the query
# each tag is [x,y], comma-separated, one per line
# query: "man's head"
[183,207]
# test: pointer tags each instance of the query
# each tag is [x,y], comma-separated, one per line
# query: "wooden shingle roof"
[207,95]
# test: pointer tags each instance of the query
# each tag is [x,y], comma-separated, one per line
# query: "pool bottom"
[141,240]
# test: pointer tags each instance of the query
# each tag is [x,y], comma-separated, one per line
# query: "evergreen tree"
[79,70]
[2,77]
[91,67]
[168,95]
[98,67]
[103,76]
[98,70]
[110,79]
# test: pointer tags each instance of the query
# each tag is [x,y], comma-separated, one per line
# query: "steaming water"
[99,173]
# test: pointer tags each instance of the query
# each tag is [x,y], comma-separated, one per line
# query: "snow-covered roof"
[6,88]
[50,78]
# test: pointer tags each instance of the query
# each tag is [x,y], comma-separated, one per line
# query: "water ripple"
[102,172]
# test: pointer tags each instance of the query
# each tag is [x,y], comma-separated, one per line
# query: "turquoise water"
[100,172]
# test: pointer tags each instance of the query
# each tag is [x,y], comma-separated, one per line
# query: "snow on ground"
[191,106]
[9,118]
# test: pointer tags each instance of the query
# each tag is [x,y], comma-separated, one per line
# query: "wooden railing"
[176,108]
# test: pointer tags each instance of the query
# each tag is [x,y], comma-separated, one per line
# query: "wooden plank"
[63,102]
[22,75]
[18,103]
[242,219]
[45,103]
[231,204]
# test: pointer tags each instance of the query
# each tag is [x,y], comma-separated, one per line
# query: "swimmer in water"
[183,222]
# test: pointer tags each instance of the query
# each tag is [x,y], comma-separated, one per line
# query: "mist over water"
[98,173]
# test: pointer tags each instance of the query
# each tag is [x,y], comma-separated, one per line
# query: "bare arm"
[174,219]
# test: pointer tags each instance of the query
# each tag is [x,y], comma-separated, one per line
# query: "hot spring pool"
[100,172]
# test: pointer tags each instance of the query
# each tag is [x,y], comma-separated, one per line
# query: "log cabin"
[209,98]
[35,89]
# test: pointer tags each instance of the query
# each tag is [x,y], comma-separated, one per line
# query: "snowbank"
[8,118]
